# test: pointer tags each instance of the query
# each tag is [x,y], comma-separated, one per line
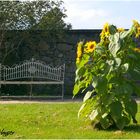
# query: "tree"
[20,20]
[16,15]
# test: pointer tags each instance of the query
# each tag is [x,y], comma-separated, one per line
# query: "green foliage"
[37,15]
[112,67]
[26,23]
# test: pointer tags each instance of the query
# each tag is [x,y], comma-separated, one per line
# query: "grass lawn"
[54,120]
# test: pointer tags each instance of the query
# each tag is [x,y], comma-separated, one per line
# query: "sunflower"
[79,51]
[137,49]
[105,33]
[77,60]
[106,30]
[136,24]
[137,32]
[90,46]
[106,27]
[121,30]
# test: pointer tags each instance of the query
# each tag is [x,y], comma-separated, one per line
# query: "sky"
[93,14]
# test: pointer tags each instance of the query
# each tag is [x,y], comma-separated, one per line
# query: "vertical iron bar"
[63,76]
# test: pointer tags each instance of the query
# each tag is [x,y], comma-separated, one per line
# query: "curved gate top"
[32,69]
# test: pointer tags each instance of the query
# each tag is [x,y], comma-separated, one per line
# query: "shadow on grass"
[133,128]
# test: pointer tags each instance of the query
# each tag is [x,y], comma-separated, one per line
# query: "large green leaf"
[95,81]
[100,83]
[124,34]
[135,74]
[87,96]
[136,89]
[105,122]
[122,88]
[80,71]
[94,114]
[131,106]
[83,61]
[81,109]
[122,122]
[79,85]
[87,107]
[125,67]
[100,50]
[112,29]
[115,44]
[132,56]
[76,89]
[118,61]
[116,110]
[118,115]
[107,99]
[127,88]
[99,114]
[110,62]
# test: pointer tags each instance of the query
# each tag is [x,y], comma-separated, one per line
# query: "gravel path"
[38,102]
[44,101]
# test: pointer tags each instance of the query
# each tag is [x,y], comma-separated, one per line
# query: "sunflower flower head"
[77,60]
[105,33]
[79,51]
[90,46]
[135,23]
[137,49]
[138,32]
[121,30]
[106,27]
[137,28]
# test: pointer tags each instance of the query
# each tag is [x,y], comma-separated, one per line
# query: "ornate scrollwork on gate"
[32,69]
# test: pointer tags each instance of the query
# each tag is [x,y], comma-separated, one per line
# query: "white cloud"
[86,14]
[82,16]
[92,14]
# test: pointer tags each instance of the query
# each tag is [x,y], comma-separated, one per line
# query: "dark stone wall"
[57,53]
[65,52]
